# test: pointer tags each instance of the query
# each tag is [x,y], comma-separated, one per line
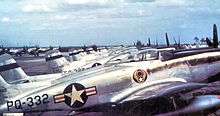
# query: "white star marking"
[75,95]
[141,79]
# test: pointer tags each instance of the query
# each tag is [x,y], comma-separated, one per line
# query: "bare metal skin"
[112,86]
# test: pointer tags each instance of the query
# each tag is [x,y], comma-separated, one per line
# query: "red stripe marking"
[59,96]
[89,90]
[91,93]
[59,100]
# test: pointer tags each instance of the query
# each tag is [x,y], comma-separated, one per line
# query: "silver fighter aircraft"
[123,88]
[12,73]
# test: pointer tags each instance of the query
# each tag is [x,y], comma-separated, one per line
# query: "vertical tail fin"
[167,40]
[175,42]
[179,42]
[215,36]
[215,42]
[10,70]
[209,43]
[56,61]
[156,42]
[149,42]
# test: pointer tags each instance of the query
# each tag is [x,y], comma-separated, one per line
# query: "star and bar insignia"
[75,95]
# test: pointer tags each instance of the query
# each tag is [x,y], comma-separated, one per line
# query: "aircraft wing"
[148,99]
[163,90]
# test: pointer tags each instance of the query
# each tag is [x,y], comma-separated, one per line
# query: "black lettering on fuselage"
[9,104]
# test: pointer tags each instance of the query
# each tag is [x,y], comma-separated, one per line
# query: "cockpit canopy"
[148,54]
[143,55]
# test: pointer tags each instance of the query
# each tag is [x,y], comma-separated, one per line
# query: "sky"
[104,22]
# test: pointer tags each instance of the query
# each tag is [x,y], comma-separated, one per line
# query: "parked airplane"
[119,87]
[13,73]
[58,63]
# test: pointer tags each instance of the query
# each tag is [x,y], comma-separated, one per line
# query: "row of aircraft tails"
[122,81]
[37,51]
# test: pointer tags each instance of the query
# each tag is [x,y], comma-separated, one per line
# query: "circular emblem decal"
[140,76]
[75,95]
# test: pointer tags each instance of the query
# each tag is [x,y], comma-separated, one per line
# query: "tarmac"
[33,65]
